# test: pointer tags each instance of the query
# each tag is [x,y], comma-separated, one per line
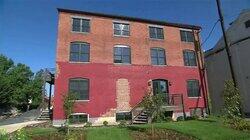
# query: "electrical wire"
[210,33]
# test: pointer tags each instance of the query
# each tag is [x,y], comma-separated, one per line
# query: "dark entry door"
[160,87]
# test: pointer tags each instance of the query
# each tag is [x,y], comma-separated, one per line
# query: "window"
[78,118]
[187,36]
[80,87]
[121,29]
[247,24]
[158,56]
[193,88]
[122,54]
[123,116]
[80,25]
[79,52]
[156,32]
[189,58]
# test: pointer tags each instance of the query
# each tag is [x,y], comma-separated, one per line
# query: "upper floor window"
[189,58]
[80,25]
[80,87]
[121,29]
[156,32]
[79,52]
[193,89]
[187,36]
[247,24]
[158,56]
[122,54]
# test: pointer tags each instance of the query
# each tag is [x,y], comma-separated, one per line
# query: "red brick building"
[110,62]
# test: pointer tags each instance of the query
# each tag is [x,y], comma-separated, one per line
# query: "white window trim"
[183,29]
[78,113]
[120,22]
[122,46]
[157,26]
[84,18]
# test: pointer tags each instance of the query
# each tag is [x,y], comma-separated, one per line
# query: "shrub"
[238,123]
[88,124]
[180,118]
[122,123]
[21,135]
[105,123]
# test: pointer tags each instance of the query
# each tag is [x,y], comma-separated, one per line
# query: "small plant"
[88,124]
[238,123]
[122,123]
[105,123]
[21,135]
[3,135]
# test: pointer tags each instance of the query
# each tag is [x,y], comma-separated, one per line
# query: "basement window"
[78,118]
[187,36]
[123,116]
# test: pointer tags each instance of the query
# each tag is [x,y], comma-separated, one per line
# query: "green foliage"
[105,123]
[3,135]
[232,107]
[68,104]
[122,123]
[18,84]
[232,100]
[180,118]
[21,135]
[153,105]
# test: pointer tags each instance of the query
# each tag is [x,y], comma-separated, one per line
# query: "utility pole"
[229,55]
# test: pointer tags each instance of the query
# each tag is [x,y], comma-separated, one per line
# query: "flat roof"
[158,22]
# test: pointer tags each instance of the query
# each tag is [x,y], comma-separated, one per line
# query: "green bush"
[180,118]
[238,123]
[88,124]
[105,123]
[122,123]
[20,135]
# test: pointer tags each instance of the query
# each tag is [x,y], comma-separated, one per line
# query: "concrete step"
[142,120]
[139,122]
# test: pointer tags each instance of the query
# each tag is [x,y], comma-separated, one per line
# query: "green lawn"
[200,129]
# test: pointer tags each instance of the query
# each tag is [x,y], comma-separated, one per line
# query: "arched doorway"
[160,86]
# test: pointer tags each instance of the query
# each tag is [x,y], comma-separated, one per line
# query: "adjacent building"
[217,65]
[111,62]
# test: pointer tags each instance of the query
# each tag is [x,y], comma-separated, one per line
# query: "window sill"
[160,65]
[72,62]
[194,97]
[156,39]
[125,64]
[191,66]
[84,33]
[122,36]
[187,42]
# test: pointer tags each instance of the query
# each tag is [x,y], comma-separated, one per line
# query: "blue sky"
[28,28]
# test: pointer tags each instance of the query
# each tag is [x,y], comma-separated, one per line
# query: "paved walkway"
[13,127]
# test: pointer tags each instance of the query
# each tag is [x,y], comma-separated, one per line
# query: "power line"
[210,32]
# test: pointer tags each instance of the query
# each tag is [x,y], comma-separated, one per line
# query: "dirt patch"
[159,134]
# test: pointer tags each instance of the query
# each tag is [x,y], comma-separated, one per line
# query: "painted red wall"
[103,83]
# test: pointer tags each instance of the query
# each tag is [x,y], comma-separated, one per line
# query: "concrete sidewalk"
[13,127]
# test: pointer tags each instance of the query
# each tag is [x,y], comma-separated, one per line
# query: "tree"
[68,105]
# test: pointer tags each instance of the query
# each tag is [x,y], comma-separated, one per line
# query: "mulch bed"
[159,134]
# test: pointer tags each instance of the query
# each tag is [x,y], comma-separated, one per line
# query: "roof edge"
[195,27]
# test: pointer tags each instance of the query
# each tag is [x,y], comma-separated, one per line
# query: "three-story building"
[110,62]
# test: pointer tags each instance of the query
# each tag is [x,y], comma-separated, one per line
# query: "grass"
[209,129]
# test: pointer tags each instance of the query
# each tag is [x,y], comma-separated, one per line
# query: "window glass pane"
[76,24]
[117,32]
[74,57]
[193,88]
[73,85]
[84,48]
[83,85]
[74,47]
[154,61]
[161,53]
[125,33]
[161,61]
[118,59]
[159,33]
[118,50]
[153,52]
[126,51]
[152,32]
[190,37]
[117,26]
[85,25]
[125,27]
[125,59]
[84,58]
[183,36]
